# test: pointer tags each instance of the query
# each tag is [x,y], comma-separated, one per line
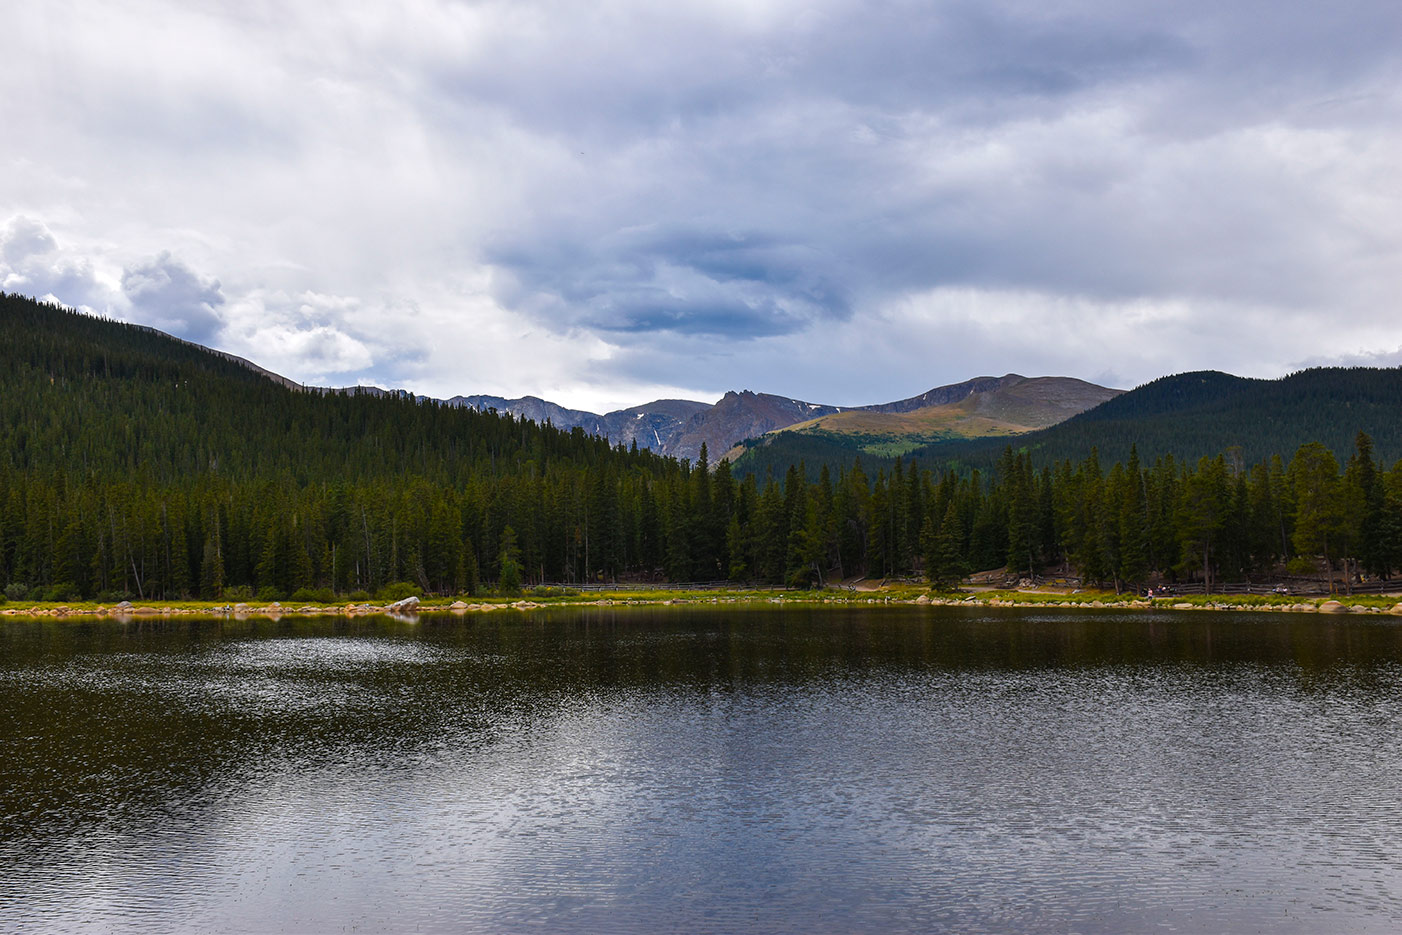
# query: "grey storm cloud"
[889,148]
[680,280]
[169,295]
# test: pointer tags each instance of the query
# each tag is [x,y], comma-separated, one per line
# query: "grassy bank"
[1372,603]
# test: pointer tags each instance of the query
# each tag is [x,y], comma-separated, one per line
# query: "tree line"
[67,537]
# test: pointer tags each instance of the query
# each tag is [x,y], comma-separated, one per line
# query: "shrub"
[16,591]
[269,592]
[1300,565]
[313,596]
[359,596]
[239,592]
[63,591]
[398,591]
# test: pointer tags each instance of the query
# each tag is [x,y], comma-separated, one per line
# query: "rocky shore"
[413,606]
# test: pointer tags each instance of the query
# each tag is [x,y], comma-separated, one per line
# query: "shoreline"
[1387,604]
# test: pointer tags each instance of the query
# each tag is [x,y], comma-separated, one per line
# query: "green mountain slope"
[1186,415]
[1207,412]
[1008,405]
[91,397]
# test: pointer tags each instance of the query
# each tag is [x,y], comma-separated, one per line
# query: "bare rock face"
[650,425]
[736,417]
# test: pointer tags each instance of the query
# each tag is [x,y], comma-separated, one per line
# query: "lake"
[681,770]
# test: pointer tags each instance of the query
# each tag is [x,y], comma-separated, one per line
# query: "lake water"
[668,770]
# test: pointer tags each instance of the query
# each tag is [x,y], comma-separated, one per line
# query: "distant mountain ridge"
[675,427]
[651,425]
[982,407]
[679,427]
[944,395]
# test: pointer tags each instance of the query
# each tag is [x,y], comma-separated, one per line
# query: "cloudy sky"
[606,202]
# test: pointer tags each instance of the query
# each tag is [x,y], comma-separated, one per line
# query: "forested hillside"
[135,465]
[1189,415]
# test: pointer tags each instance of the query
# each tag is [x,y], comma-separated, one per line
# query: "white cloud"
[606,201]
[167,294]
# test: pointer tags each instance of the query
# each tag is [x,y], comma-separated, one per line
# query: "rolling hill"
[1190,415]
[983,407]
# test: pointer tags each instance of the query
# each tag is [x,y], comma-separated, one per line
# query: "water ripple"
[779,772]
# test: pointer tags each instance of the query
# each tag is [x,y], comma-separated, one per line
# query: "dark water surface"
[912,769]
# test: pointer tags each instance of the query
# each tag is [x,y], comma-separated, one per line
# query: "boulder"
[408,603]
[1332,607]
[458,606]
[923,599]
[123,605]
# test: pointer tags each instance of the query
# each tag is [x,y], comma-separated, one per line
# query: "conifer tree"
[509,564]
[1319,515]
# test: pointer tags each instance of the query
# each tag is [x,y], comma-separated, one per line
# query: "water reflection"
[892,770]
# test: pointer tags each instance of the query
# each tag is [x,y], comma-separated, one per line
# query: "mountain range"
[677,427]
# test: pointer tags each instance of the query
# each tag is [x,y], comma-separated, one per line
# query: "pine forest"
[134,465]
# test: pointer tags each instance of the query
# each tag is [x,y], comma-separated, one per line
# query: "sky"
[603,203]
